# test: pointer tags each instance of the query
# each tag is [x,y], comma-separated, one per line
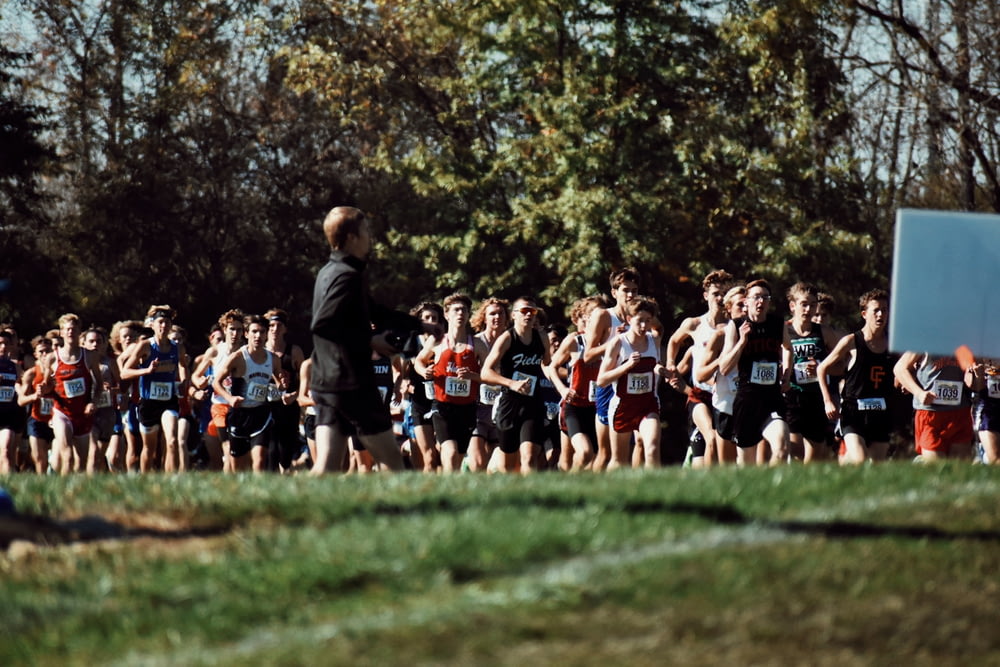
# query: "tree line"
[185,152]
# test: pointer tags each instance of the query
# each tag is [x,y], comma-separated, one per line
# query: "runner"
[578,409]
[95,340]
[754,345]
[11,413]
[421,397]
[632,367]
[250,370]
[986,410]
[604,325]
[555,433]
[492,318]
[157,362]
[124,335]
[40,434]
[809,343]
[454,364]
[74,373]
[865,419]
[231,323]
[700,330]
[942,417]
[306,403]
[285,444]
[724,385]
[515,363]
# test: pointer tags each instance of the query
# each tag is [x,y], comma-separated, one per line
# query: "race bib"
[592,391]
[75,387]
[802,374]
[488,394]
[993,386]
[102,400]
[764,372]
[948,392]
[457,387]
[870,404]
[257,391]
[429,390]
[274,394]
[551,411]
[161,391]
[639,383]
[45,407]
[532,381]
[6,394]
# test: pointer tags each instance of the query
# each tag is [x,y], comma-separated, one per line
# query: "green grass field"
[880,565]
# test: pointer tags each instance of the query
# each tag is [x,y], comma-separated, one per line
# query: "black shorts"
[485,427]
[13,417]
[151,412]
[453,421]
[421,410]
[248,428]
[581,419]
[40,430]
[806,414]
[752,412]
[105,420]
[358,412]
[870,425]
[723,423]
[309,427]
[518,421]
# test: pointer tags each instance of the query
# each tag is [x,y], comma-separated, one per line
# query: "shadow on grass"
[45,531]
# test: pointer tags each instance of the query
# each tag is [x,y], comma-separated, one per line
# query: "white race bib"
[161,391]
[764,372]
[45,406]
[948,392]
[802,374]
[993,386]
[457,387]
[639,383]
[75,387]
[257,391]
[488,394]
[871,404]
[274,394]
[6,394]
[592,391]
[533,381]
[429,390]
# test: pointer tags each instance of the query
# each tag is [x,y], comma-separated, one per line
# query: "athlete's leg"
[384,449]
[649,429]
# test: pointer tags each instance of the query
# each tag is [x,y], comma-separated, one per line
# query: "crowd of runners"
[494,387]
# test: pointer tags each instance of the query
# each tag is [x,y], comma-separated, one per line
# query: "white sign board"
[945,283]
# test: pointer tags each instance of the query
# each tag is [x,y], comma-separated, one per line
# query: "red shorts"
[937,431]
[79,423]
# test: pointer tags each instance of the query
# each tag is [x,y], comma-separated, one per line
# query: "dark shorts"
[105,420]
[13,418]
[518,421]
[752,412]
[40,430]
[359,412]
[986,414]
[485,426]
[248,428]
[723,424]
[806,414]
[151,412]
[309,427]
[455,422]
[421,410]
[581,419]
[869,425]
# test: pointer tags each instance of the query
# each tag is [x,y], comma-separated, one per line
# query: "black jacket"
[342,318]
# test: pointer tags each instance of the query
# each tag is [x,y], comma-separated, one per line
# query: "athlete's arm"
[424,362]
[840,352]
[229,367]
[610,369]
[131,368]
[26,388]
[305,372]
[596,335]
[904,372]
[710,362]
[490,374]
[199,379]
[733,348]
[559,359]
[684,331]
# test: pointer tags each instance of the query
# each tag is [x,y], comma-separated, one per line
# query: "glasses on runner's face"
[527,310]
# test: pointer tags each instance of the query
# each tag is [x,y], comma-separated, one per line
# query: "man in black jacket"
[346,326]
